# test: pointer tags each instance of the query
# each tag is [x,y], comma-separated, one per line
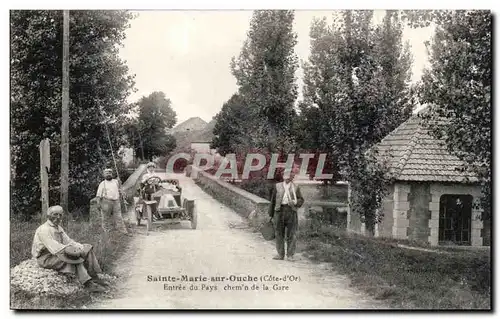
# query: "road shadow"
[161,226]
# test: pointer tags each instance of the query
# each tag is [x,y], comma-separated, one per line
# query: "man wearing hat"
[108,199]
[148,190]
[150,172]
[54,249]
[286,198]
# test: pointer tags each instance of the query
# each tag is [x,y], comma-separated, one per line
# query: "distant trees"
[99,87]
[260,117]
[265,74]
[148,132]
[232,125]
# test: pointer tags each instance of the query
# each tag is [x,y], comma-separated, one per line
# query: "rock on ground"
[31,278]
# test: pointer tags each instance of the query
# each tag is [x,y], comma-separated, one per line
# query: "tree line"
[357,89]
[100,85]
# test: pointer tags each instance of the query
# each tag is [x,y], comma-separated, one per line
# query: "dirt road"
[221,247]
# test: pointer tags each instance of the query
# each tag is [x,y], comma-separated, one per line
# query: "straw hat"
[70,258]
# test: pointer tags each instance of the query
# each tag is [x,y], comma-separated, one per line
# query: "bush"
[261,188]
[369,181]
[329,216]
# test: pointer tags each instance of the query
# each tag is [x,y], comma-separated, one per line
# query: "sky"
[187,54]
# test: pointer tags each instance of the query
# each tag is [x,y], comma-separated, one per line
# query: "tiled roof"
[414,155]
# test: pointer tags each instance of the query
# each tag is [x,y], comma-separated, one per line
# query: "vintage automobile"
[164,202]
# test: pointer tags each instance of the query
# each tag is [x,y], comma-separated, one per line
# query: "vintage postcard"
[250,159]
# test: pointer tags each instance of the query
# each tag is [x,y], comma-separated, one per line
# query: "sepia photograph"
[278,159]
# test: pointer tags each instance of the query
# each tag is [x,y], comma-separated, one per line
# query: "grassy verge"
[107,249]
[404,278]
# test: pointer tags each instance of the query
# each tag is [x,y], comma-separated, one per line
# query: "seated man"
[147,190]
[150,172]
[53,249]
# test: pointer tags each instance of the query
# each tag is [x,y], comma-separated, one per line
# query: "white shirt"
[108,189]
[50,237]
[288,197]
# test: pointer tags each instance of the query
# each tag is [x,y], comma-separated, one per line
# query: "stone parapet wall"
[244,203]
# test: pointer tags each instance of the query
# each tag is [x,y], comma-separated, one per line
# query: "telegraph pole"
[140,141]
[44,176]
[65,118]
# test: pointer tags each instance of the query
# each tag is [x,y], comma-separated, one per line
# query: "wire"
[112,153]
[109,142]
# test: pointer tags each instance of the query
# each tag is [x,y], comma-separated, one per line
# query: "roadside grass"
[403,278]
[107,249]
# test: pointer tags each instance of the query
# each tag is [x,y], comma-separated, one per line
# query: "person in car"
[146,189]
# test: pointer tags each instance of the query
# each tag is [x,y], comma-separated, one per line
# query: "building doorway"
[455,212]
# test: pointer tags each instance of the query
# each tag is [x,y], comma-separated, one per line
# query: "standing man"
[108,199]
[285,200]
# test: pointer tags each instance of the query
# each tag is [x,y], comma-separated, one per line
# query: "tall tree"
[393,77]
[356,90]
[356,83]
[265,74]
[457,88]
[149,130]
[381,99]
[98,82]
[320,123]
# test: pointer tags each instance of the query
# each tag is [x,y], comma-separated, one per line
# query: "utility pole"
[44,148]
[140,141]
[65,118]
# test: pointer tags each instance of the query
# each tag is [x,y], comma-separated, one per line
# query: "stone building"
[430,201]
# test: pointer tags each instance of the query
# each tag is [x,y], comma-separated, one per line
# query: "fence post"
[44,148]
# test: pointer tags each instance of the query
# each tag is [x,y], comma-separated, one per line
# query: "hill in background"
[191,124]
[192,130]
